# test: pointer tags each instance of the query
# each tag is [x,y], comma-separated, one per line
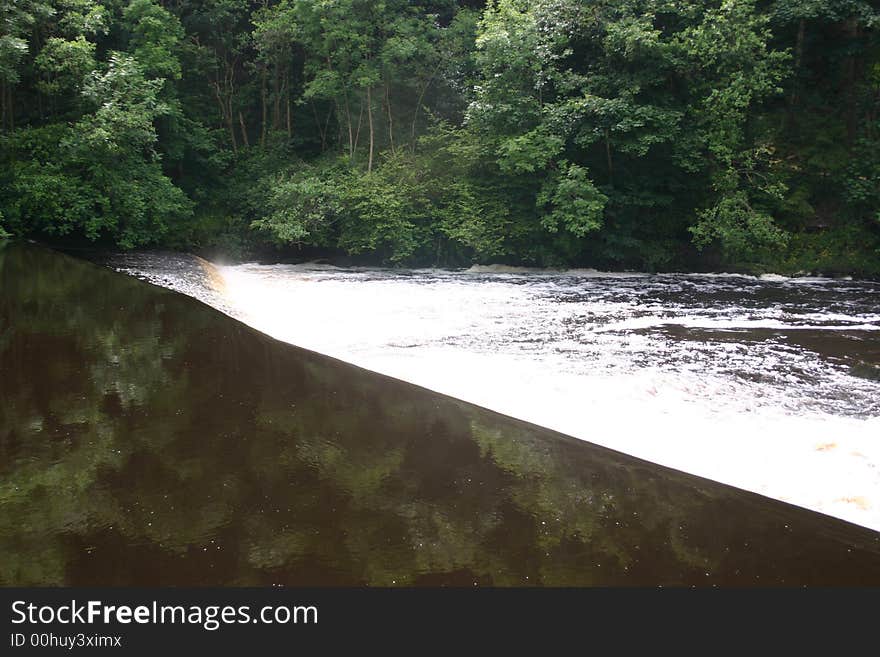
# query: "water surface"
[147,439]
[771,384]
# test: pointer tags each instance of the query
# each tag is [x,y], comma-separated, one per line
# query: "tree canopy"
[651,134]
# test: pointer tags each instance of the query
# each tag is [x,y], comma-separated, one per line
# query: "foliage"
[625,133]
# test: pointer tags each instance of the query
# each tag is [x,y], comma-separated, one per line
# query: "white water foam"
[742,380]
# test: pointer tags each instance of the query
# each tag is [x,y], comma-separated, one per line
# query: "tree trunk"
[244,137]
[372,138]
[416,113]
[276,99]
[226,114]
[390,117]
[224,92]
[287,103]
[798,58]
[10,107]
[350,130]
[357,134]
[322,132]
[326,128]
[264,105]
[230,122]
[608,157]
[851,68]
[422,92]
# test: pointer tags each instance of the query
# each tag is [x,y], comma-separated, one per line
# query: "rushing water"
[770,384]
[148,439]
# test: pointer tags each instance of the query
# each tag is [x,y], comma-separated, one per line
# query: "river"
[770,384]
[147,439]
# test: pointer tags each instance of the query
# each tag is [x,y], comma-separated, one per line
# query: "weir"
[148,439]
[764,383]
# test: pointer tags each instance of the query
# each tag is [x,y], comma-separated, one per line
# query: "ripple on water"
[741,379]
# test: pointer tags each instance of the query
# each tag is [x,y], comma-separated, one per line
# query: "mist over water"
[770,384]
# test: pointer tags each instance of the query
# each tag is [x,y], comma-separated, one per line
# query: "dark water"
[770,384]
[148,439]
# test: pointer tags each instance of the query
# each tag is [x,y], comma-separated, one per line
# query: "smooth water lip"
[579,355]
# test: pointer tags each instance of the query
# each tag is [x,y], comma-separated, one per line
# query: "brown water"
[769,384]
[147,439]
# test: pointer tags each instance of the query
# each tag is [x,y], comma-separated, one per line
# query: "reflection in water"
[735,378]
[147,439]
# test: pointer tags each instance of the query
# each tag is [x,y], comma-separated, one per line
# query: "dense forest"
[647,134]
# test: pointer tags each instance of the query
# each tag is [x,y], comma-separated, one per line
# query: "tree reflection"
[147,439]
